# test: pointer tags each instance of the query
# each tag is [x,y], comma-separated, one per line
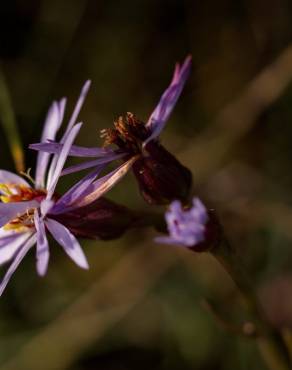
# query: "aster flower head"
[26,212]
[161,177]
[191,227]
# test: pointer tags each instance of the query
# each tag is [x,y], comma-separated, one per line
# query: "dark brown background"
[139,306]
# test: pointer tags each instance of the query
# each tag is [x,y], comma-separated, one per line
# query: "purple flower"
[186,227]
[26,212]
[160,175]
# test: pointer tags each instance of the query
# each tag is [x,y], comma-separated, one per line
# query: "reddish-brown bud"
[161,177]
[102,219]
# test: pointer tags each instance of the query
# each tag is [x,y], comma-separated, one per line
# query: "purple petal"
[168,100]
[51,126]
[46,206]
[70,125]
[7,177]
[7,239]
[186,227]
[18,258]
[62,159]
[199,211]
[62,105]
[104,184]
[68,241]
[10,245]
[76,192]
[9,211]
[42,250]
[75,151]
[78,106]
[90,164]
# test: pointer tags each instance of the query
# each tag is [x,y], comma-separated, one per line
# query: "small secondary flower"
[186,227]
[193,227]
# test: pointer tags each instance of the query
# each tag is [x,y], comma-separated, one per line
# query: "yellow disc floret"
[20,193]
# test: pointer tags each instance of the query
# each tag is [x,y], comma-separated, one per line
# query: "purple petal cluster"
[24,223]
[186,227]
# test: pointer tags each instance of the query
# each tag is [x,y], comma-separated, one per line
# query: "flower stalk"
[8,122]
[270,342]
[195,227]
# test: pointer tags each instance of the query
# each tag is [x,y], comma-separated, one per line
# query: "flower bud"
[161,177]
[102,219]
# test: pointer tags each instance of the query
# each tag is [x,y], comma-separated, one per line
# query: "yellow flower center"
[20,193]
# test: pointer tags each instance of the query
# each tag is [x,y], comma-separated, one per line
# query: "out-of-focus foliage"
[140,304]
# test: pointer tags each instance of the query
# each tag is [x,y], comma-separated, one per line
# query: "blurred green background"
[140,305]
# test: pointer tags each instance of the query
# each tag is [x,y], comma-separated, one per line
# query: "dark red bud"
[102,219]
[161,177]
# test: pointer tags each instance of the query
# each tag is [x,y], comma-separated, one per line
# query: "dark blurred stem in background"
[270,342]
[8,121]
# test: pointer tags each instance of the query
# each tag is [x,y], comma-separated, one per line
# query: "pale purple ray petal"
[9,211]
[75,151]
[10,245]
[45,206]
[78,106]
[7,239]
[7,177]
[62,105]
[168,100]
[199,211]
[73,194]
[51,126]
[104,184]
[90,164]
[68,241]
[62,159]
[51,122]
[18,258]
[70,125]
[42,250]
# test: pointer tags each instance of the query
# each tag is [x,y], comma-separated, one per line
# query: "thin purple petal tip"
[161,113]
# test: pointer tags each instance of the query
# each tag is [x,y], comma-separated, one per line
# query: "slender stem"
[270,342]
[8,121]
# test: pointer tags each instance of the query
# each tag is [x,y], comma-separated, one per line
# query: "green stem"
[270,342]
[8,121]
